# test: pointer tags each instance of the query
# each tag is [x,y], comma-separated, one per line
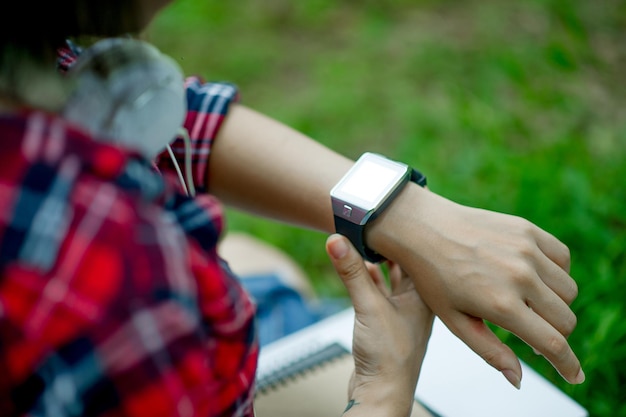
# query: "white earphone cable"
[188,174]
[180,175]
[187,180]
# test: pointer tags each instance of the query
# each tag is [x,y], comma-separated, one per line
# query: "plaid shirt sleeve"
[113,301]
[207,106]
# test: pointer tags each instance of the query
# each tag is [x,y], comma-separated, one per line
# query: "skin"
[391,329]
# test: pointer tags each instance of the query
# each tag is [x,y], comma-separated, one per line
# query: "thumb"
[352,271]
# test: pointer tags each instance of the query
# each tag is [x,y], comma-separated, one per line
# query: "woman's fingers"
[400,281]
[551,259]
[475,333]
[551,308]
[378,277]
[553,248]
[556,278]
[546,338]
[552,344]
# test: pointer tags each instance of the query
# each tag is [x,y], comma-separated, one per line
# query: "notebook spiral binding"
[303,365]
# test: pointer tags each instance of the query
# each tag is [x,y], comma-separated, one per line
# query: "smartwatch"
[364,192]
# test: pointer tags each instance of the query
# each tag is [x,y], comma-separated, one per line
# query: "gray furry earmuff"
[127,92]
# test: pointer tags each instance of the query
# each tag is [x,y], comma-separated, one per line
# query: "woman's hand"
[391,329]
[471,265]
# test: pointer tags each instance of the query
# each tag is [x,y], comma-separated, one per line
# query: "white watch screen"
[369,181]
[366,186]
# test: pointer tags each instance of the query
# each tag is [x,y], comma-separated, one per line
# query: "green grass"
[517,107]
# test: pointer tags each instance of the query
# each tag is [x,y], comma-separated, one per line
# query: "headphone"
[127,92]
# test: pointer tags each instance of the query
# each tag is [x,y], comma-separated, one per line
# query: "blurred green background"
[517,107]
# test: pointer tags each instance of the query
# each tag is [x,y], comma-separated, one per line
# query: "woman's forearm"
[264,167]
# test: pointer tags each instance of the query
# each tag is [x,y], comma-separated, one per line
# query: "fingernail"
[338,248]
[580,378]
[512,378]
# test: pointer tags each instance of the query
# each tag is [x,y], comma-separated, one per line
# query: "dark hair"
[31,31]
[37,27]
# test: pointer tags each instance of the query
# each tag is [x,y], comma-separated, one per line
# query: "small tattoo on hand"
[351,404]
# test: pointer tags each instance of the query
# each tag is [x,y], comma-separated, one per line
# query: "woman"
[114,301]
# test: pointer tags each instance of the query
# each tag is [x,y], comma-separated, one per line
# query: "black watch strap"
[418,178]
[356,233]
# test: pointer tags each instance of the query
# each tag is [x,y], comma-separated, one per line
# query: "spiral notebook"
[314,386]
[307,373]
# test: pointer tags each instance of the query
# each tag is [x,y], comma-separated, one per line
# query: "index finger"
[479,337]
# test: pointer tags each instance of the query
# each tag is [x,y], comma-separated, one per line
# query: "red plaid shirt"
[113,300]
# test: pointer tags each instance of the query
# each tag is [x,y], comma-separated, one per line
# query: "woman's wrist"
[388,232]
[380,398]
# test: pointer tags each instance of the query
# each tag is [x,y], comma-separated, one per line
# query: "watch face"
[369,181]
[366,186]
